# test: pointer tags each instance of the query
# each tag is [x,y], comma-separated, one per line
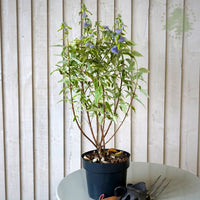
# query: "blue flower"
[121,39]
[89,44]
[115,50]
[84,15]
[82,37]
[85,25]
[116,21]
[118,31]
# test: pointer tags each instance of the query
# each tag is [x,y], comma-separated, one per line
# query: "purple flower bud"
[106,27]
[115,50]
[85,25]
[89,44]
[121,39]
[118,31]
[84,15]
[82,37]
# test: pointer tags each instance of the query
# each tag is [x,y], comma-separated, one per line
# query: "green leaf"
[55,70]
[76,60]
[64,80]
[144,70]
[114,117]
[88,74]
[96,83]
[130,62]
[107,105]
[58,45]
[137,75]
[130,43]
[136,53]
[98,94]
[133,108]
[131,67]
[123,107]
[101,119]
[74,119]
[140,101]
[143,91]
[63,90]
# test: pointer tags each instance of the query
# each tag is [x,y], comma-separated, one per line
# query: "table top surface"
[183,185]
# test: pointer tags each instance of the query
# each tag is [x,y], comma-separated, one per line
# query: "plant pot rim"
[105,167]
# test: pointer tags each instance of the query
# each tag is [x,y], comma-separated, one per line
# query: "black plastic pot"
[104,178]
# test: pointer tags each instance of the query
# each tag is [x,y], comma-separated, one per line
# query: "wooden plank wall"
[39,143]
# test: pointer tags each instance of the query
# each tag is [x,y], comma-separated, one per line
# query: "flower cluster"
[111,40]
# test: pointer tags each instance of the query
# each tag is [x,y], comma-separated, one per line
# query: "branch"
[131,101]
[115,110]
[74,114]
[122,120]
[103,112]
[97,124]
[88,116]
[72,102]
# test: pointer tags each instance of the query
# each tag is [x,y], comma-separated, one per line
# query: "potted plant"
[100,75]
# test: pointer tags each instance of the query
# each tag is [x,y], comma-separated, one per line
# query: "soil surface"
[107,156]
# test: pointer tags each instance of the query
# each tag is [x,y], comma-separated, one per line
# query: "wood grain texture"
[173,86]
[72,133]
[92,6]
[106,14]
[190,95]
[11,98]
[140,16]
[56,110]
[198,158]
[2,136]
[156,81]
[40,85]
[123,139]
[26,101]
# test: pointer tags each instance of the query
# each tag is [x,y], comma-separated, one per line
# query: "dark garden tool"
[139,191]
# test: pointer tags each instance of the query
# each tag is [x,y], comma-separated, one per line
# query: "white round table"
[183,186]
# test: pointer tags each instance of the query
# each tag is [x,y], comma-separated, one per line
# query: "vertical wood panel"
[124,8]
[11,106]
[190,96]
[92,7]
[198,158]
[56,109]
[26,117]
[156,81]
[72,133]
[173,84]
[139,119]
[106,16]
[40,99]
[2,153]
